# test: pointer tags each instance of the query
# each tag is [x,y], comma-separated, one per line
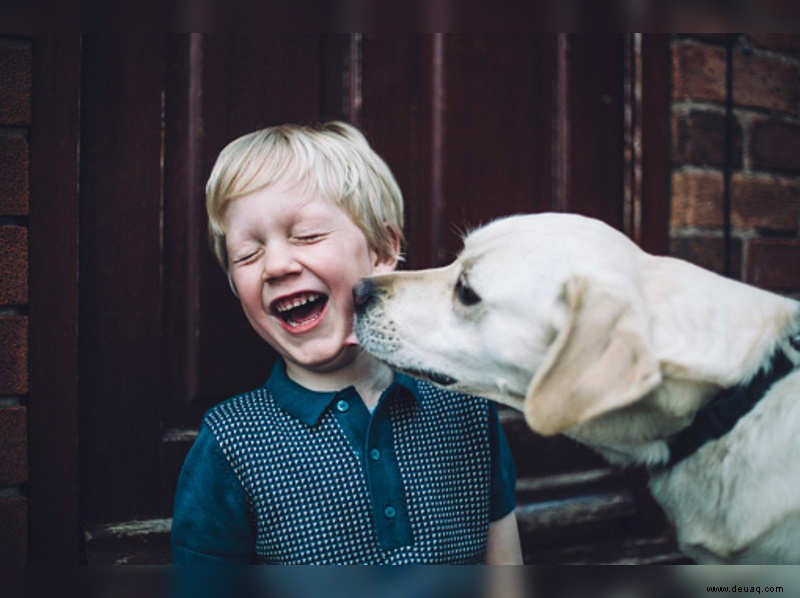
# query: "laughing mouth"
[299,309]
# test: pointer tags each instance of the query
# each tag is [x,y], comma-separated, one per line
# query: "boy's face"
[294,259]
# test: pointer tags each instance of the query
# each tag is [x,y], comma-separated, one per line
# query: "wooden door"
[473,126]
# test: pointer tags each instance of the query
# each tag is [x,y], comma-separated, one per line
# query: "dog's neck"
[666,437]
[705,341]
[650,454]
[636,434]
[708,333]
[709,328]
[724,411]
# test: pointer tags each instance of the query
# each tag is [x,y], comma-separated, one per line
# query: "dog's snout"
[364,293]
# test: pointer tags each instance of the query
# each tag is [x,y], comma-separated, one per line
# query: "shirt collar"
[309,405]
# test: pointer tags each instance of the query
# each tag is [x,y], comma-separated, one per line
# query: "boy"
[336,459]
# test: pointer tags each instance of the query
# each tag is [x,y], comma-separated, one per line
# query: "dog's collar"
[720,414]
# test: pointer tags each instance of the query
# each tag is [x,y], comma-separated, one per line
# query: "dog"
[648,360]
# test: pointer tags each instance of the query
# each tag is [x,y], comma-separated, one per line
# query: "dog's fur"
[588,335]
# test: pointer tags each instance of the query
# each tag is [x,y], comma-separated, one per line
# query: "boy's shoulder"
[239,408]
[429,391]
[448,406]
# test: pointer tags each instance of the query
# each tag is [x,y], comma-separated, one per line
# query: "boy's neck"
[369,376]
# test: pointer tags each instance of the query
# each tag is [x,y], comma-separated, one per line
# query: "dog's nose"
[363,294]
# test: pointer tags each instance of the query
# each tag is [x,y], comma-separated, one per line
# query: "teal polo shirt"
[379,484]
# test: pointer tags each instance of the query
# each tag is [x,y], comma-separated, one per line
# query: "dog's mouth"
[299,309]
[435,377]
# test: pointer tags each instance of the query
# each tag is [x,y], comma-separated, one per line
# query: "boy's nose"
[279,262]
[363,295]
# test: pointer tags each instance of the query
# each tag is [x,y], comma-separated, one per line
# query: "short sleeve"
[211,521]
[504,473]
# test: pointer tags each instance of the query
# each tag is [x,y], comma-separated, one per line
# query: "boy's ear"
[384,265]
[232,284]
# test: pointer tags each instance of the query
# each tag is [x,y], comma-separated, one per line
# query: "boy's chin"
[345,356]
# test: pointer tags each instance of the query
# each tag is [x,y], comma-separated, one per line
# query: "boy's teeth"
[296,302]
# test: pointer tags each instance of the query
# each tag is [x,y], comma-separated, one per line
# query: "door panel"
[498,130]
[595,147]
[121,364]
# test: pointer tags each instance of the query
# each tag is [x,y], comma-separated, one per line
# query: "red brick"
[13,175]
[766,82]
[776,42]
[774,264]
[698,72]
[13,355]
[15,83]
[708,252]
[13,446]
[765,203]
[13,265]
[13,531]
[774,145]
[696,199]
[698,138]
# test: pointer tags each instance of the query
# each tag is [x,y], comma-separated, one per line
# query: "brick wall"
[15,120]
[764,202]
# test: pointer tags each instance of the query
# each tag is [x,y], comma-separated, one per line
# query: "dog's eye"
[465,294]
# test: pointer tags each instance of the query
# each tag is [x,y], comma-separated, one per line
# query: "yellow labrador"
[646,359]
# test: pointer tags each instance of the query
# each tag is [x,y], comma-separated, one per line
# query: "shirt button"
[390,512]
[374,454]
[342,406]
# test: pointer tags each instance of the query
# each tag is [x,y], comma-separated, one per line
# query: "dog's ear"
[600,360]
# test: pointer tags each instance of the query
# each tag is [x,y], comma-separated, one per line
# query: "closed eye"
[465,294]
[245,259]
[309,238]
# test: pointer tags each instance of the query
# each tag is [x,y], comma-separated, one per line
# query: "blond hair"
[333,160]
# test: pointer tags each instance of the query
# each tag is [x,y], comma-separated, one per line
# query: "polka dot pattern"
[309,494]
